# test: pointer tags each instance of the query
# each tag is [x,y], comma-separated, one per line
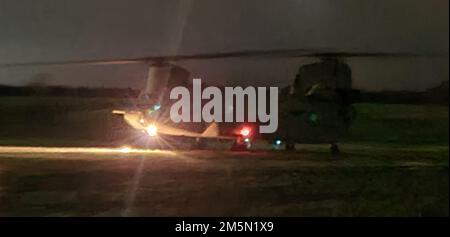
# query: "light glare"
[125,149]
[245,132]
[152,130]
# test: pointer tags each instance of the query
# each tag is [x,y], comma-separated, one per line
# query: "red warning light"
[245,132]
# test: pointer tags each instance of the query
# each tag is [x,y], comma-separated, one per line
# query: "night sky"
[52,30]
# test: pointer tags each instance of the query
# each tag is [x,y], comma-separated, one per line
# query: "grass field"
[394,163]
[88,121]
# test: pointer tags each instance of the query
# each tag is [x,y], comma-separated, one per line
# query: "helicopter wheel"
[290,146]
[241,144]
[239,147]
[334,149]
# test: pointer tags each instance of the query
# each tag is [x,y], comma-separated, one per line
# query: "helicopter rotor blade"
[273,53]
[75,62]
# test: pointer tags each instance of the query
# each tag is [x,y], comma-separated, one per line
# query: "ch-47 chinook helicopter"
[317,109]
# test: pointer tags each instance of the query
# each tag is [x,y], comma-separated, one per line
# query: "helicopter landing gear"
[241,144]
[290,145]
[334,149]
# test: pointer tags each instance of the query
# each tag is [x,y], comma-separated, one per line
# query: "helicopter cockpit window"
[152,110]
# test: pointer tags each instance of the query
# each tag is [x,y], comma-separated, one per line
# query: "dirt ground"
[388,181]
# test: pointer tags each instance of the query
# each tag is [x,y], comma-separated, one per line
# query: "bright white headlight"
[152,130]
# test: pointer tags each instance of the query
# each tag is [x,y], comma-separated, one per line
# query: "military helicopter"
[316,109]
[319,104]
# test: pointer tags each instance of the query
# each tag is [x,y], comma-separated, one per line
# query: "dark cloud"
[50,30]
